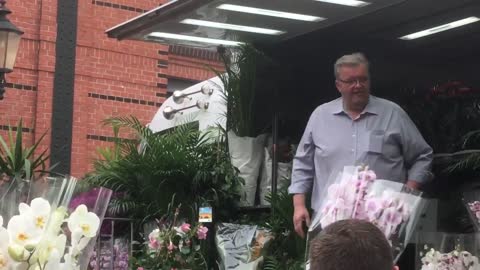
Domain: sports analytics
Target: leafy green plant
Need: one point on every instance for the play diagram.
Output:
(17, 160)
(441, 113)
(287, 251)
(18, 164)
(467, 159)
(239, 81)
(273, 263)
(155, 166)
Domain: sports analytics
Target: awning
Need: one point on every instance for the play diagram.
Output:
(208, 23)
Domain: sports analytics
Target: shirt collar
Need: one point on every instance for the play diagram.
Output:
(372, 106)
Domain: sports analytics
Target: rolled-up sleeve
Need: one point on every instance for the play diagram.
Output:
(303, 171)
(417, 153)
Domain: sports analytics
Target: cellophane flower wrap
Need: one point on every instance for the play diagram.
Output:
(111, 257)
(356, 193)
(44, 234)
(471, 201)
(443, 251)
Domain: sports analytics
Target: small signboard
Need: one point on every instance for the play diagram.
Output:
(205, 214)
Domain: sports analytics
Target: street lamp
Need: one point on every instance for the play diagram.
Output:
(9, 42)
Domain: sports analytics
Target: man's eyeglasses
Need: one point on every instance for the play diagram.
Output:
(352, 82)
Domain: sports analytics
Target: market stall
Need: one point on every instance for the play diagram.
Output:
(423, 56)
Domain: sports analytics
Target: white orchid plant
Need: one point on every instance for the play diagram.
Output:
(457, 259)
(42, 237)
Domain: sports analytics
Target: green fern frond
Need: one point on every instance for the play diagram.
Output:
(271, 263)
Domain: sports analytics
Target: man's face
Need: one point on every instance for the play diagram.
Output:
(353, 83)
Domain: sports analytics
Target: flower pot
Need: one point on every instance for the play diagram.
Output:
(247, 155)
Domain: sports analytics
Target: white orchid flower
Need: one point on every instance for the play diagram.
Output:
(53, 262)
(22, 232)
(38, 211)
(69, 263)
(83, 225)
(86, 221)
(5, 260)
(49, 246)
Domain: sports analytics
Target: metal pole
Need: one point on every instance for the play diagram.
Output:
(112, 245)
(98, 252)
(274, 148)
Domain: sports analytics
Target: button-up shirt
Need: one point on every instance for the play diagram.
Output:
(382, 137)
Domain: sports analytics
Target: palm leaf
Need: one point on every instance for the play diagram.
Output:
(470, 136)
(470, 161)
(180, 160)
(239, 82)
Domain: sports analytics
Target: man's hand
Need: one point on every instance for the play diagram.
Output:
(300, 214)
(413, 185)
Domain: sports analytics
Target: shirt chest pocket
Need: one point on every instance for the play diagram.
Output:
(375, 141)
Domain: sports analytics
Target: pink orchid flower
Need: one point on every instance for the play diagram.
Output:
(202, 232)
(153, 243)
(367, 175)
(185, 227)
(171, 247)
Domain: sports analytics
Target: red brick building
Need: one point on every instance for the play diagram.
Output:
(108, 77)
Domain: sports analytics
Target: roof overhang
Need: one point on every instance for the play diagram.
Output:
(169, 19)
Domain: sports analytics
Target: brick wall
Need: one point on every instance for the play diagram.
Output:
(112, 78)
(30, 85)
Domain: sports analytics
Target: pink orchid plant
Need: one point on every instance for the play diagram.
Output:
(174, 246)
(357, 193)
(346, 199)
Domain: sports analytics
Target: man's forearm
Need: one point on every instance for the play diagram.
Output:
(298, 200)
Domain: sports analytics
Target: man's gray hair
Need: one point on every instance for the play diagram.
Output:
(353, 59)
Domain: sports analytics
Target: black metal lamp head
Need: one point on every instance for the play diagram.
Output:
(10, 37)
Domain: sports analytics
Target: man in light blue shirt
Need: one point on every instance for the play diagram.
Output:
(356, 129)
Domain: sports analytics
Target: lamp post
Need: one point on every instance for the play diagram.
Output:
(9, 41)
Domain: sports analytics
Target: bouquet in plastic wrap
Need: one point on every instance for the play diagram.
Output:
(173, 245)
(442, 251)
(356, 193)
(471, 200)
(44, 233)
